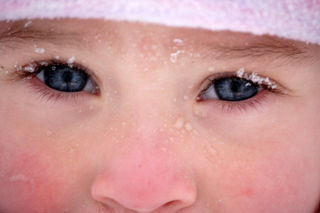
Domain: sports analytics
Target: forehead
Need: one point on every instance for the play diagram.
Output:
(90, 33)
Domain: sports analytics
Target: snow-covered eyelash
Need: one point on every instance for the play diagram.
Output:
(257, 79)
(263, 82)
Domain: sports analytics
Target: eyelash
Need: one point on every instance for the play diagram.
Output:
(242, 106)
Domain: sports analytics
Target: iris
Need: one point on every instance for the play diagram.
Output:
(234, 88)
(65, 78)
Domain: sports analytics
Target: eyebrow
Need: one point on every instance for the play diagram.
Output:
(18, 34)
(266, 46)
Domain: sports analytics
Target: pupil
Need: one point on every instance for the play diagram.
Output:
(235, 87)
(67, 77)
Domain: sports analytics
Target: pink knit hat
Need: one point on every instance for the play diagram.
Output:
(293, 19)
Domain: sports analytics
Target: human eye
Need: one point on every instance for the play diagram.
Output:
(66, 78)
(230, 89)
(58, 79)
(238, 89)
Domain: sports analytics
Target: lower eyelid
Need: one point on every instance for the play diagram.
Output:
(46, 94)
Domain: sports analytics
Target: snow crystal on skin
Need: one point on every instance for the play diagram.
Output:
(30, 68)
(44, 63)
(27, 24)
(20, 178)
(71, 60)
(179, 123)
(178, 41)
(200, 113)
(174, 56)
(188, 126)
(17, 67)
(211, 69)
(240, 72)
(39, 50)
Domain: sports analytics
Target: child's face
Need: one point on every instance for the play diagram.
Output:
(154, 136)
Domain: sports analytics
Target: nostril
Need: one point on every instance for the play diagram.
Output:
(171, 203)
(172, 206)
(109, 205)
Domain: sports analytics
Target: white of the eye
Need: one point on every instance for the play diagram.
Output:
(210, 93)
(89, 87)
(40, 75)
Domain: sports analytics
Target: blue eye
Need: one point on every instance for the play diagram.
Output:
(66, 78)
(230, 89)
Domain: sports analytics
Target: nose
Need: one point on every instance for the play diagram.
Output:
(144, 180)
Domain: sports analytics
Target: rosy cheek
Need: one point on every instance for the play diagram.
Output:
(255, 185)
(28, 182)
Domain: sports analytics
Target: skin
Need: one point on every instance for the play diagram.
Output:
(144, 143)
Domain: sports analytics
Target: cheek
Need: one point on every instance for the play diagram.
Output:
(29, 180)
(269, 182)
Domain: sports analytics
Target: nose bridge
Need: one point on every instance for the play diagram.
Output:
(147, 116)
(144, 152)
